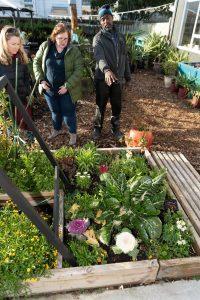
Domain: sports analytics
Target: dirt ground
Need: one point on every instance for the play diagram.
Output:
(175, 125)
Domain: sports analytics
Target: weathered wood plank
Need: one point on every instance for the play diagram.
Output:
(117, 149)
(179, 268)
(182, 199)
(190, 167)
(61, 226)
(184, 178)
(33, 198)
(177, 178)
(196, 243)
(71, 279)
(185, 166)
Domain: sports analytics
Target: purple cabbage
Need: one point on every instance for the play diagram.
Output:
(78, 226)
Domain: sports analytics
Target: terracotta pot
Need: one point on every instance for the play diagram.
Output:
(174, 88)
(182, 93)
(195, 102)
(137, 138)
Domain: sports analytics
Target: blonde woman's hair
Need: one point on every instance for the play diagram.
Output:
(6, 33)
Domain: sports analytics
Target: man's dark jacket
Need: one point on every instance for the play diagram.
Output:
(110, 56)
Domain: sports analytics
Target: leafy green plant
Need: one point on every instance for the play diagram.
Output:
(135, 203)
(64, 152)
(135, 52)
(87, 158)
(172, 58)
(196, 91)
(83, 180)
(29, 171)
(176, 238)
(156, 47)
(169, 67)
(6, 117)
(81, 206)
(184, 81)
(24, 252)
(135, 165)
(87, 255)
(175, 55)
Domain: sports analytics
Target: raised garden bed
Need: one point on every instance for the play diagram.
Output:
(137, 272)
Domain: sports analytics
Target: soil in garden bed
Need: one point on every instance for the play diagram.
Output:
(176, 125)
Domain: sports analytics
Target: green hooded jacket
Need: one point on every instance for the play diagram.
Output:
(73, 68)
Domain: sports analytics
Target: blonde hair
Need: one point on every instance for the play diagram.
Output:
(60, 28)
(6, 33)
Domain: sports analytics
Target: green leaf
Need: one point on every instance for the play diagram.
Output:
(105, 233)
(105, 177)
(106, 215)
(142, 232)
(134, 253)
(116, 250)
(133, 183)
(150, 209)
(150, 228)
(122, 182)
(126, 230)
(114, 202)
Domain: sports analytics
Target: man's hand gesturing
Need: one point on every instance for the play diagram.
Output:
(110, 77)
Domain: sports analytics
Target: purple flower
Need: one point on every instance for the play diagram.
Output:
(78, 226)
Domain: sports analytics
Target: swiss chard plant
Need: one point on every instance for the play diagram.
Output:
(135, 203)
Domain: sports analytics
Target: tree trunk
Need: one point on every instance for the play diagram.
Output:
(74, 21)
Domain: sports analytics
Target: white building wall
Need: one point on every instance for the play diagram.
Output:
(42, 8)
(178, 27)
(12, 3)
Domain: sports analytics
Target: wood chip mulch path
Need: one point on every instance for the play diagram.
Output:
(175, 124)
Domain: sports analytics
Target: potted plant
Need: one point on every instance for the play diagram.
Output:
(170, 65)
(169, 68)
(185, 84)
(156, 48)
(134, 51)
(195, 102)
(139, 138)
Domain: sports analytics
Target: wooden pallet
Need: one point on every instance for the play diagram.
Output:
(185, 182)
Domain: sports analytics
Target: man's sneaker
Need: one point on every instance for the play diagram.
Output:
(54, 134)
(96, 133)
(117, 134)
(72, 140)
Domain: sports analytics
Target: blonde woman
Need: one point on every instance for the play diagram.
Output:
(11, 47)
(58, 67)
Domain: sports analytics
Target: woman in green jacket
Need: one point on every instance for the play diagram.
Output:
(58, 67)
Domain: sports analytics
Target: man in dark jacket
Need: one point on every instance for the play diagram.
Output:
(112, 68)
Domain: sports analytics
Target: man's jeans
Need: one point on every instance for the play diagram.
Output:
(103, 93)
(62, 110)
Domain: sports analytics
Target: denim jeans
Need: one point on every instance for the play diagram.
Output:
(62, 110)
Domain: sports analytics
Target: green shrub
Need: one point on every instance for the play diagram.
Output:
(24, 252)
